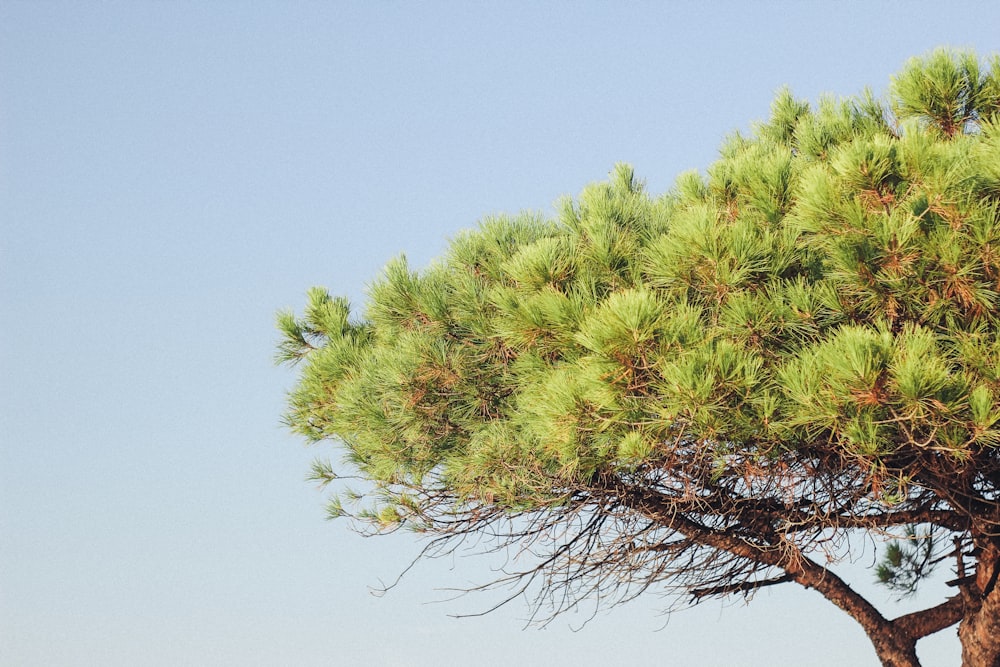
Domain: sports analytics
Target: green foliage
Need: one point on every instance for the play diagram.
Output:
(948, 90)
(825, 296)
(907, 562)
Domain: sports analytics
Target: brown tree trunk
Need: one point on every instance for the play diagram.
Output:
(979, 630)
(893, 655)
(980, 636)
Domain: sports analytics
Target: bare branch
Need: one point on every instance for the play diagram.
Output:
(745, 587)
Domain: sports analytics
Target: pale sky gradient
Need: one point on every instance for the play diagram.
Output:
(173, 173)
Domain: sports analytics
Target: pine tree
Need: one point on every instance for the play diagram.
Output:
(709, 391)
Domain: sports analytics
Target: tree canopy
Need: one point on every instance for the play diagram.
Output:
(711, 390)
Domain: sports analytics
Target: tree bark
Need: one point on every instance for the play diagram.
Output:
(979, 630)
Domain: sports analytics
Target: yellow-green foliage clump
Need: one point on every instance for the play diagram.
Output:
(832, 282)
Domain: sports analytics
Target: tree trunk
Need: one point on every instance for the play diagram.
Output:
(979, 630)
(980, 636)
(894, 653)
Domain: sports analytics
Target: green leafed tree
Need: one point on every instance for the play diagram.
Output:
(711, 391)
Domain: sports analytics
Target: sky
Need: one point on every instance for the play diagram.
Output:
(174, 173)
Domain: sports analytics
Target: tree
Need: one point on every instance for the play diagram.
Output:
(710, 391)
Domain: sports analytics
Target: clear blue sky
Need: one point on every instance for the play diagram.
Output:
(173, 173)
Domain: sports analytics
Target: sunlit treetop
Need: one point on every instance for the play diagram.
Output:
(709, 389)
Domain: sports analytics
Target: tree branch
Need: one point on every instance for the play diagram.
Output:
(928, 621)
(741, 587)
(895, 649)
